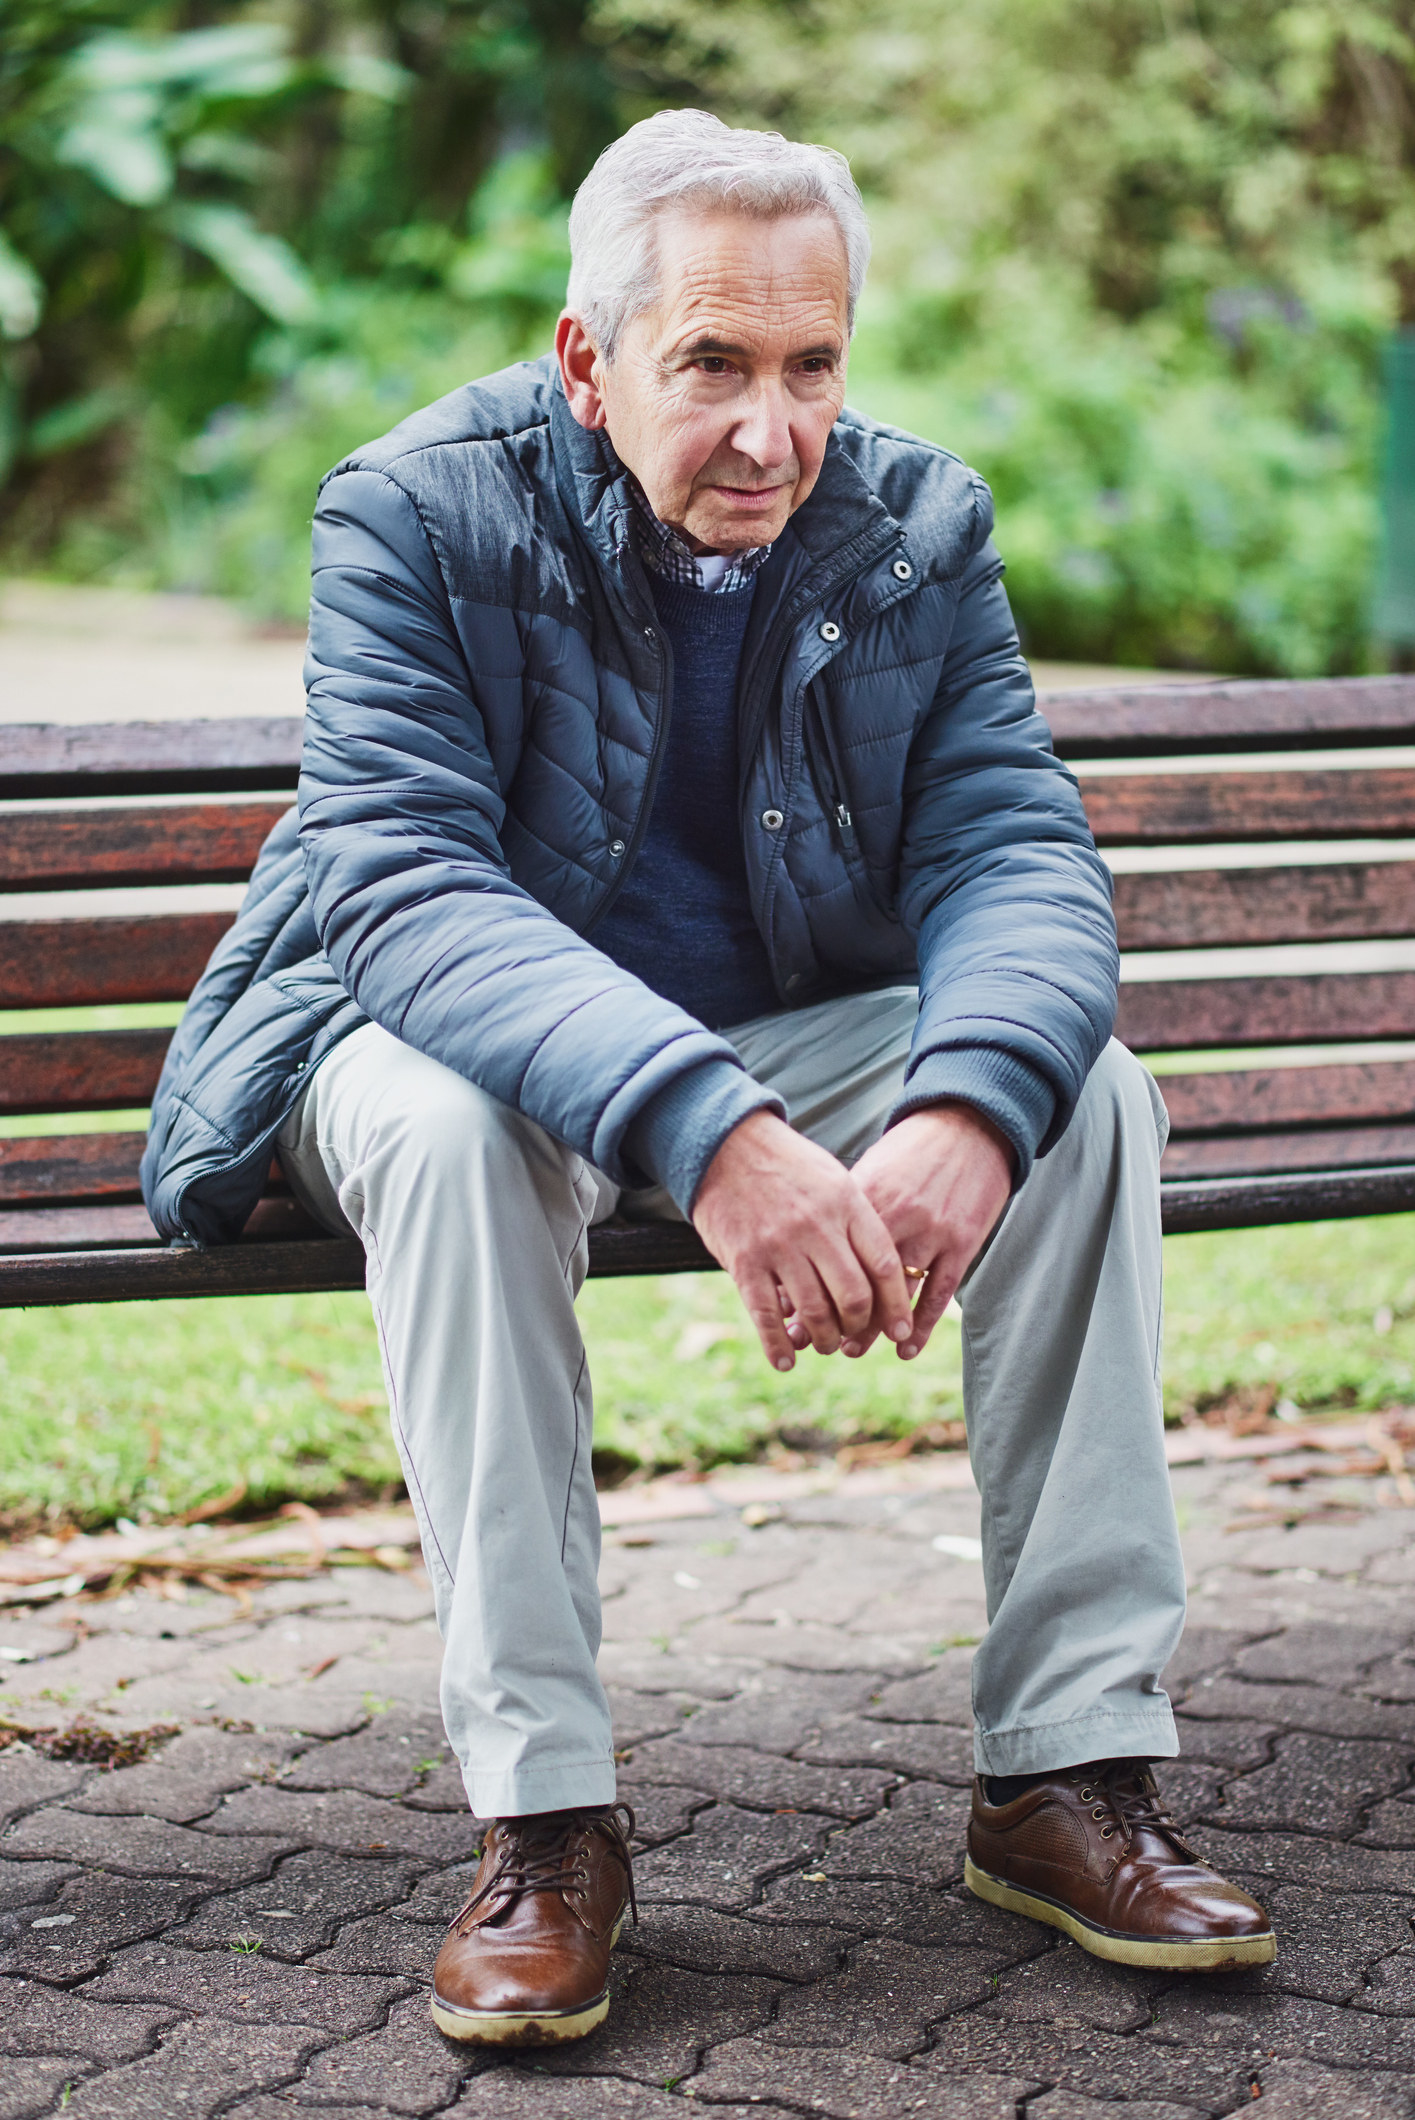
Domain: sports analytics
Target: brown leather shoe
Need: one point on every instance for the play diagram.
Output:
(526, 1960)
(1093, 1851)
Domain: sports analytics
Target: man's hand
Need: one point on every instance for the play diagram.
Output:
(939, 1181)
(812, 1259)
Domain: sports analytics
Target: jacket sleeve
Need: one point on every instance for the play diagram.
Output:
(413, 899)
(1002, 884)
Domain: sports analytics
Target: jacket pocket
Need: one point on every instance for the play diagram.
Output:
(823, 763)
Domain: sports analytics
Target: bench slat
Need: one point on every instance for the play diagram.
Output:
(1195, 809)
(80, 1071)
(149, 757)
(69, 963)
(1168, 1016)
(1180, 909)
(1346, 1090)
(118, 1275)
(1135, 720)
(67, 1169)
(1323, 1148)
(201, 842)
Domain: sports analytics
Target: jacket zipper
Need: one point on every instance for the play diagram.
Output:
(656, 756)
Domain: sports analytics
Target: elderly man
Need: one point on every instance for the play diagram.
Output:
(677, 834)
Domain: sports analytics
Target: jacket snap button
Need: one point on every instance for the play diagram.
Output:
(830, 631)
(616, 847)
(773, 820)
(901, 570)
(649, 633)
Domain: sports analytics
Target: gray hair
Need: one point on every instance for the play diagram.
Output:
(689, 159)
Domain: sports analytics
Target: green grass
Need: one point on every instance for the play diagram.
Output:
(121, 1408)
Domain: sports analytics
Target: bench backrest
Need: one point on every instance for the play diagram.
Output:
(1225, 807)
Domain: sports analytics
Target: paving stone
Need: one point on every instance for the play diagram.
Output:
(277, 2105)
(382, 1943)
(728, 1856)
(1316, 1784)
(346, 1822)
(660, 2018)
(302, 1905)
(1253, 2016)
(662, 1814)
(919, 1838)
(189, 1779)
(1311, 1708)
(73, 1935)
(1266, 1859)
(1225, 1743)
(405, 2067)
(778, 1711)
(41, 2020)
(1191, 1789)
(850, 2086)
(1317, 1653)
(147, 1847)
(645, 1668)
(384, 1760)
(1067, 1988)
(1328, 1942)
(885, 1999)
(705, 1941)
(439, 1896)
(1390, 1825)
(196, 2071)
(884, 1906)
(802, 1646)
(32, 2086)
(1074, 2105)
(935, 1750)
(1295, 2090)
(1101, 2065)
(521, 2092)
(1391, 1980)
(943, 1693)
(27, 1779)
(1391, 1679)
(638, 1716)
(1202, 1651)
(759, 1780)
(27, 1884)
(244, 1986)
(441, 1790)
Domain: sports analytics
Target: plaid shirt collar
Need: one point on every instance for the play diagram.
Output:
(664, 553)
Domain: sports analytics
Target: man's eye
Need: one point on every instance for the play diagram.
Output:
(817, 365)
(712, 364)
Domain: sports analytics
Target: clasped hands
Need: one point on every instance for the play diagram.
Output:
(832, 1258)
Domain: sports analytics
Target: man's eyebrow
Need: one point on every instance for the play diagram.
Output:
(725, 348)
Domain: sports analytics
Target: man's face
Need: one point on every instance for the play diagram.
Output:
(721, 398)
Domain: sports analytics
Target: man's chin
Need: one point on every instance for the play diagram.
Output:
(729, 529)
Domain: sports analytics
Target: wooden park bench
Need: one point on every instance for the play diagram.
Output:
(1223, 805)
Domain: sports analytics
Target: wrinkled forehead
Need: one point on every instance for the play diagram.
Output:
(748, 278)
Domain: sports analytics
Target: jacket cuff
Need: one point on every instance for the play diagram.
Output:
(1016, 1096)
(679, 1131)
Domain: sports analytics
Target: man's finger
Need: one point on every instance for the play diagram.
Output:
(763, 1301)
(812, 1305)
(937, 1293)
(874, 1247)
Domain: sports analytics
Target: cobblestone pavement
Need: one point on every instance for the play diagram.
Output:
(245, 1922)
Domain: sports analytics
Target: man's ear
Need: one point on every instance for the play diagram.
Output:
(580, 367)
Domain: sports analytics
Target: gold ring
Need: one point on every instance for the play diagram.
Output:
(916, 1273)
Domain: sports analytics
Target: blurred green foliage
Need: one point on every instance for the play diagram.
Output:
(1136, 259)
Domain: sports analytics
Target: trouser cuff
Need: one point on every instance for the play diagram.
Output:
(529, 1789)
(1141, 1734)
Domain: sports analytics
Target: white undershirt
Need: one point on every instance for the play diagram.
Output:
(712, 566)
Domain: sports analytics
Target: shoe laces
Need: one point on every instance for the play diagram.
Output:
(540, 1857)
(1125, 1795)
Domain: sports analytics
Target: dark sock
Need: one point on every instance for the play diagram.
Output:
(1006, 1788)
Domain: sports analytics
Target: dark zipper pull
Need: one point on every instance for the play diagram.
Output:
(846, 824)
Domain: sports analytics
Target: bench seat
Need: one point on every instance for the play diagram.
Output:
(1268, 827)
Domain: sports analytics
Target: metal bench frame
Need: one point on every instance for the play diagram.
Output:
(190, 802)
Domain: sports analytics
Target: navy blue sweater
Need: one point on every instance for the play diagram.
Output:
(683, 921)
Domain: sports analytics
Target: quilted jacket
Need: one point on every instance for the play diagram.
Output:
(489, 695)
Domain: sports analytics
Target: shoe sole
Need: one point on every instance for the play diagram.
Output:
(522, 2027)
(1180, 1956)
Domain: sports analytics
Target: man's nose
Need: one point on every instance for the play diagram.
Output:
(764, 430)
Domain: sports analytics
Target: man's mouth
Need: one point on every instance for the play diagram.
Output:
(754, 497)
